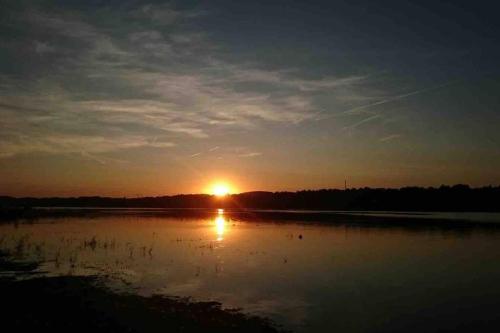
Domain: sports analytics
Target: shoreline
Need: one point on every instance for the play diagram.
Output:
(80, 304)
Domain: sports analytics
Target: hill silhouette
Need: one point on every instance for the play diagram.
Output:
(445, 198)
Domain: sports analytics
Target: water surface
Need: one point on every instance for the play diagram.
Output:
(306, 276)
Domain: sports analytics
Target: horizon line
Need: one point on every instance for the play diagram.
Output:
(252, 191)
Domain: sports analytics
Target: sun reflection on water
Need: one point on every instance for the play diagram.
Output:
(220, 224)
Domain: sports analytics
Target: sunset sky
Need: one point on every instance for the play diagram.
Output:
(129, 98)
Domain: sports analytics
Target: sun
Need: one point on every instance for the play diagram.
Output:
(220, 190)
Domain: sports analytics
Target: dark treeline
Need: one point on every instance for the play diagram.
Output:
(444, 198)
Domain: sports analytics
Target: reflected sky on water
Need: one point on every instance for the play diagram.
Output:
(305, 276)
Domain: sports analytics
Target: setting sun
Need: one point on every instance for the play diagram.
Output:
(220, 190)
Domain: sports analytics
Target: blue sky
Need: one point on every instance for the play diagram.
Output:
(133, 97)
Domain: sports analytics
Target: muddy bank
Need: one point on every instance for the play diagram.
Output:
(71, 303)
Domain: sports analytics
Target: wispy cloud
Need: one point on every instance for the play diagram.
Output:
(43, 48)
(390, 137)
(101, 159)
(116, 87)
(252, 154)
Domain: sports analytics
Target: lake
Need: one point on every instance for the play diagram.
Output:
(319, 274)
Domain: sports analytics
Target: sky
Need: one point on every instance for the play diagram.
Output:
(136, 98)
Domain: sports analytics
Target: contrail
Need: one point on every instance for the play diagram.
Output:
(389, 100)
(362, 122)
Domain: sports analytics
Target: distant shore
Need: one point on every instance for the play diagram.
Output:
(457, 198)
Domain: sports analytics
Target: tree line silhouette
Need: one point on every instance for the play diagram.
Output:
(445, 198)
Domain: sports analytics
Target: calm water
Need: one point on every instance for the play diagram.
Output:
(305, 276)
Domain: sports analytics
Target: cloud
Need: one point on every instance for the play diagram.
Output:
(164, 14)
(58, 143)
(252, 154)
(121, 84)
(390, 137)
(149, 36)
(100, 159)
(286, 78)
(43, 48)
(152, 43)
